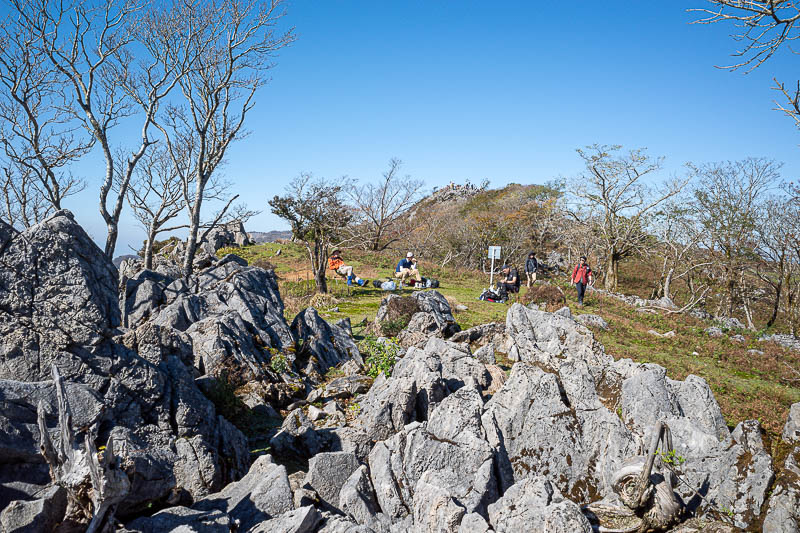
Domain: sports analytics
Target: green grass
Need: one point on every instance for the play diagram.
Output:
(745, 386)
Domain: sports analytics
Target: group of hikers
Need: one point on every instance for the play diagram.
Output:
(408, 272)
(582, 276)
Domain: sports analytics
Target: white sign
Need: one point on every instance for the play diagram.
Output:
(494, 252)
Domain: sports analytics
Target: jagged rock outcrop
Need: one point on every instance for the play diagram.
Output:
(322, 345)
(60, 305)
(224, 235)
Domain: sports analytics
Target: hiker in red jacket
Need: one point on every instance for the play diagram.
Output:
(582, 277)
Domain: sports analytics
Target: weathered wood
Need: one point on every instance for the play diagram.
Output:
(94, 482)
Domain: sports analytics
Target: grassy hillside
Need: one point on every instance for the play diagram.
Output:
(746, 385)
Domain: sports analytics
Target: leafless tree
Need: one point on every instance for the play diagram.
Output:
(88, 42)
(763, 27)
(777, 230)
(677, 227)
(232, 43)
(156, 196)
(380, 205)
(37, 134)
(22, 205)
(618, 201)
(730, 196)
(318, 217)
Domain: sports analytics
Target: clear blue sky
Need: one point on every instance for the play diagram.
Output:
(504, 91)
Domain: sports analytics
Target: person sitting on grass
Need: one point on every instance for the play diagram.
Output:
(336, 263)
(511, 281)
(407, 268)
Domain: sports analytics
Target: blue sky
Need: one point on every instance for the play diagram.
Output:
(503, 91)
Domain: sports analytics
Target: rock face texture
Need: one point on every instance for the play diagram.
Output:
(60, 305)
(449, 441)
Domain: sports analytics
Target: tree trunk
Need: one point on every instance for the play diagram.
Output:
(318, 265)
(776, 306)
(667, 283)
(612, 266)
(191, 243)
(148, 248)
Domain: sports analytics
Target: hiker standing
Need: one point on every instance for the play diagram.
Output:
(531, 265)
(406, 268)
(336, 263)
(582, 277)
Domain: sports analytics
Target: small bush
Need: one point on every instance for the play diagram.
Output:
(391, 328)
(545, 294)
(262, 262)
(279, 364)
(380, 356)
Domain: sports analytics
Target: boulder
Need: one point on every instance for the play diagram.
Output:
(481, 335)
(485, 354)
(225, 235)
(592, 321)
(324, 346)
(449, 455)
(548, 339)
(167, 433)
(791, 431)
(783, 512)
(42, 514)
(328, 472)
(357, 497)
(714, 332)
(262, 494)
(302, 520)
(182, 519)
(534, 505)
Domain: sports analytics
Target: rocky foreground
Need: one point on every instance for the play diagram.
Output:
(449, 442)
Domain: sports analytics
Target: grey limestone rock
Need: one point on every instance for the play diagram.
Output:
(482, 334)
(592, 321)
(548, 339)
(41, 514)
(791, 431)
(787, 341)
(474, 523)
(783, 512)
(181, 519)
(225, 235)
(324, 346)
(450, 450)
(485, 354)
(263, 493)
(564, 311)
(357, 497)
(535, 505)
(328, 472)
(302, 520)
(714, 331)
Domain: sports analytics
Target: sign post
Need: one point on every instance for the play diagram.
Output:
(494, 253)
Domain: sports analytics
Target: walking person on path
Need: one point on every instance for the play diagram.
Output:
(582, 277)
(531, 265)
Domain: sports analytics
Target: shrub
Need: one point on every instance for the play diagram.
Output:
(545, 294)
(380, 356)
(262, 262)
(391, 328)
(279, 364)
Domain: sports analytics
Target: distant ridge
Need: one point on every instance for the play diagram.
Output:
(269, 236)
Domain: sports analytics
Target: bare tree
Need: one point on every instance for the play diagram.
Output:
(318, 217)
(22, 205)
(763, 27)
(676, 225)
(613, 189)
(380, 205)
(88, 42)
(232, 44)
(730, 196)
(777, 230)
(156, 196)
(36, 132)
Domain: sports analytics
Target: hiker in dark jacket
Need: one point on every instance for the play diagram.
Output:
(531, 265)
(582, 277)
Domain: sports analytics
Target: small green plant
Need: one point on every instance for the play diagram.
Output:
(391, 328)
(354, 407)
(671, 458)
(380, 356)
(279, 364)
